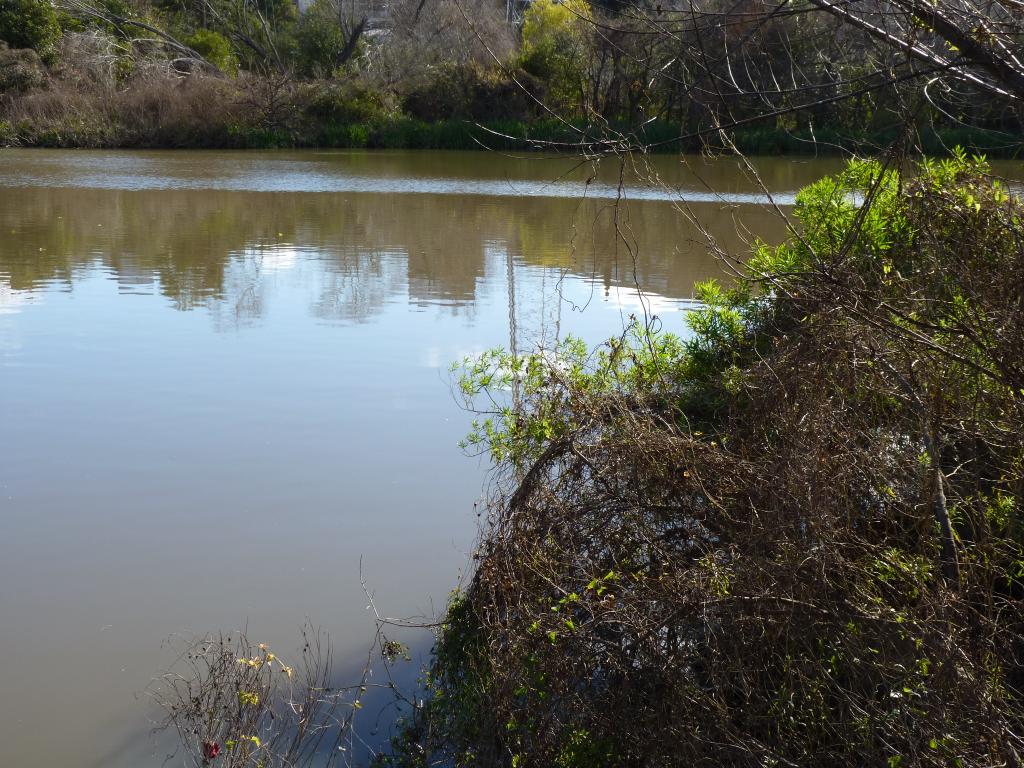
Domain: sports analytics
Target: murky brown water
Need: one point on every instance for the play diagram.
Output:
(223, 381)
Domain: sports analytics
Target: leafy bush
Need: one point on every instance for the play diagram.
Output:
(555, 47)
(8, 135)
(215, 48)
(322, 40)
(791, 536)
(30, 24)
(343, 104)
(470, 91)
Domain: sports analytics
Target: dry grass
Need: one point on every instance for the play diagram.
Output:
(151, 110)
(101, 96)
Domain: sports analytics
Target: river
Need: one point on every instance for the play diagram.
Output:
(225, 391)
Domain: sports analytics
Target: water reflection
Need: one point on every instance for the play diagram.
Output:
(218, 249)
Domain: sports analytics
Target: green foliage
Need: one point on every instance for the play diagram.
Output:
(834, 218)
(582, 750)
(345, 104)
(470, 91)
(321, 39)
(547, 24)
(552, 382)
(278, 11)
(457, 690)
(70, 21)
(30, 24)
(555, 47)
(247, 136)
(215, 48)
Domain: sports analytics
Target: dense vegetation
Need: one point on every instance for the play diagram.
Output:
(355, 73)
(791, 535)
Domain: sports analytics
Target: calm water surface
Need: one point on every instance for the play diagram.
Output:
(224, 381)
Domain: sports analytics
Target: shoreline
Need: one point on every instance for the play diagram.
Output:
(551, 137)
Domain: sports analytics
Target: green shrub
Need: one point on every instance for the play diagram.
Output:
(30, 24)
(8, 135)
(471, 92)
(343, 104)
(321, 40)
(554, 48)
(243, 136)
(215, 48)
(88, 131)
